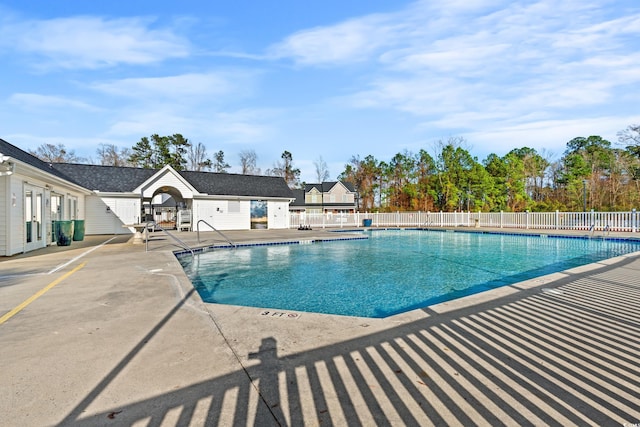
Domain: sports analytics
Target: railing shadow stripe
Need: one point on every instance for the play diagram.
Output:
(557, 352)
(477, 390)
(497, 392)
(401, 379)
(440, 378)
(388, 394)
(535, 359)
(561, 392)
(359, 371)
(292, 395)
(591, 351)
(534, 397)
(596, 317)
(580, 328)
(318, 396)
(340, 389)
(428, 384)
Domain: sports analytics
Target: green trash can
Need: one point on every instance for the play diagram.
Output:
(78, 230)
(65, 233)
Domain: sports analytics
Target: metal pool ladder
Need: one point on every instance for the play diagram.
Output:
(158, 227)
(214, 229)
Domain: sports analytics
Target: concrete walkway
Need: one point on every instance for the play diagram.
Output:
(120, 338)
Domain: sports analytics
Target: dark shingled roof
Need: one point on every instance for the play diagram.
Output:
(227, 184)
(18, 154)
(326, 186)
(299, 195)
(105, 178)
(125, 179)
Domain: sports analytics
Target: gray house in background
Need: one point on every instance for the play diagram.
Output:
(335, 197)
(34, 193)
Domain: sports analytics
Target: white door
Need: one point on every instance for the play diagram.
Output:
(35, 228)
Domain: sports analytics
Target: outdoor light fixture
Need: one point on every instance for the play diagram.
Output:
(7, 167)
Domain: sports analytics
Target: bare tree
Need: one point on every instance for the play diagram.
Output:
(248, 159)
(631, 138)
(111, 155)
(322, 170)
(197, 158)
(55, 154)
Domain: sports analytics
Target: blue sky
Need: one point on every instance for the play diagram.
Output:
(319, 78)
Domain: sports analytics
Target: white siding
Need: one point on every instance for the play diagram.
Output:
(278, 213)
(121, 211)
(168, 179)
(16, 232)
(216, 213)
(4, 214)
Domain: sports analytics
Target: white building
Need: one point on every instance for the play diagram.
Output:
(34, 193)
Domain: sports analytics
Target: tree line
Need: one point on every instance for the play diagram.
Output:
(156, 151)
(592, 173)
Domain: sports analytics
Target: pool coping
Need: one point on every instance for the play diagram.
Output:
(446, 303)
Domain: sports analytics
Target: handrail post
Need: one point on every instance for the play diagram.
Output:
(214, 229)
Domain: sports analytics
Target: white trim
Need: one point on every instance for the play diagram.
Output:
(155, 178)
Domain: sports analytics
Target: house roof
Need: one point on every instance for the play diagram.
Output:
(326, 186)
(299, 198)
(12, 151)
(105, 178)
(228, 184)
(126, 179)
(114, 179)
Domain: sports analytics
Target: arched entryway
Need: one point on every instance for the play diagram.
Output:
(164, 205)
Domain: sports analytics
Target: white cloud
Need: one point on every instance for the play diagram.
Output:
(34, 100)
(516, 60)
(241, 126)
(545, 134)
(350, 41)
(91, 42)
(181, 88)
(29, 141)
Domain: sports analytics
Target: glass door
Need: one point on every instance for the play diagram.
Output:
(33, 217)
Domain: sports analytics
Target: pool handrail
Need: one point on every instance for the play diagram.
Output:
(156, 226)
(214, 229)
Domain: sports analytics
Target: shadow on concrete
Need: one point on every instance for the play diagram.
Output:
(563, 353)
(88, 242)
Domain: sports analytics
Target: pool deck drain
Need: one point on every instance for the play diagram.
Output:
(126, 341)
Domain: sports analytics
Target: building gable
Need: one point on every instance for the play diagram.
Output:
(162, 180)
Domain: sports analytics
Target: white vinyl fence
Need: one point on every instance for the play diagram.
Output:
(588, 221)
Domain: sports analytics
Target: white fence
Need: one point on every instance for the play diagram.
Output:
(588, 221)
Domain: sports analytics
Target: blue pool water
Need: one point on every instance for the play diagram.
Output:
(392, 271)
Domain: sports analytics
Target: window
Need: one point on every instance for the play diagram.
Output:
(56, 207)
(233, 206)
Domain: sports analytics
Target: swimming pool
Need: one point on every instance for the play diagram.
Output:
(391, 272)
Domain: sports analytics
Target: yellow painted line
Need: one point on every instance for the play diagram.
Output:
(38, 294)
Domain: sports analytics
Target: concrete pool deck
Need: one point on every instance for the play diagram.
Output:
(120, 338)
